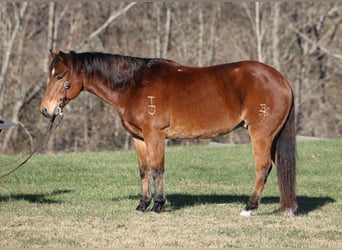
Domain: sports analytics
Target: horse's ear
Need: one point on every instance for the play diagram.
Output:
(52, 53)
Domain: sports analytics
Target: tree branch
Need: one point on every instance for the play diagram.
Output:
(112, 17)
(315, 44)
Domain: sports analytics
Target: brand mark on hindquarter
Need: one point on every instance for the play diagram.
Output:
(263, 111)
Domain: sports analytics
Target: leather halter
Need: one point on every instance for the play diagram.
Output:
(66, 86)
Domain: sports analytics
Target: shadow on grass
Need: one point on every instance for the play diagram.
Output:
(178, 201)
(305, 204)
(35, 198)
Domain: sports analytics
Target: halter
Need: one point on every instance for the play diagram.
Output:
(66, 86)
(60, 106)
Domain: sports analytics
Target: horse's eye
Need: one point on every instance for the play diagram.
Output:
(59, 78)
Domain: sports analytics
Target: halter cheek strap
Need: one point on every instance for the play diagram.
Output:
(66, 86)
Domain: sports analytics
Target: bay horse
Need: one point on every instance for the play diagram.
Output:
(158, 99)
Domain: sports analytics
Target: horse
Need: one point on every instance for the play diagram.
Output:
(157, 99)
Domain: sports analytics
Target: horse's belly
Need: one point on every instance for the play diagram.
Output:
(204, 127)
(186, 134)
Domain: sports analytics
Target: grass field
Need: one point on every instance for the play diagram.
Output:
(89, 200)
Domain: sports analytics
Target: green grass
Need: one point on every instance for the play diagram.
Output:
(89, 200)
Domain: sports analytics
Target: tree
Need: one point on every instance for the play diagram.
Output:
(301, 40)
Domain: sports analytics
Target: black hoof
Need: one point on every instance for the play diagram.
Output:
(250, 209)
(143, 205)
(251, 206)
(158, 206)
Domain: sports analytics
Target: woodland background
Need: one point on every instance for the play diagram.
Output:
(301, 40)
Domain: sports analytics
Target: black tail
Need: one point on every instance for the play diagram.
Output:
(286, 163)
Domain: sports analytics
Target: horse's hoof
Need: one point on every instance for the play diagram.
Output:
(143, 205)
(158, 206)
(140, 208)
(247, 213)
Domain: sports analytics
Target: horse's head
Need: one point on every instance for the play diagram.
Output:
(64, 85)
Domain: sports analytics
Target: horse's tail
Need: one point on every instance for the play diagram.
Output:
(285, 159)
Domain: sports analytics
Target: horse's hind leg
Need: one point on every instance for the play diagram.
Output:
(145, 173)
(263, 165)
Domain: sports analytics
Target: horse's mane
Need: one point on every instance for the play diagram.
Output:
(115, 70)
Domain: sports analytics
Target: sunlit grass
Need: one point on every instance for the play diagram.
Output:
(89, 200)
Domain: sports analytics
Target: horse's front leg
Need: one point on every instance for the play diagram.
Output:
(155, 143)
(145, 174)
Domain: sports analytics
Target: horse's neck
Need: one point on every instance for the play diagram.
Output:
(105, 93)
(119, 80)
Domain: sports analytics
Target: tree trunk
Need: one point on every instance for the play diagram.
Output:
(258, 31)
(214, 33)
(200, 36)
(275, 36)
(9, 47)
(167, 32)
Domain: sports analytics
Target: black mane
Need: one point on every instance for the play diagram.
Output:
(115, 70)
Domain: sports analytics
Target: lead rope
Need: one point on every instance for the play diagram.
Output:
(50, 129)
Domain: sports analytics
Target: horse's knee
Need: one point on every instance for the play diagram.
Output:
(157, 172)
(144, 172)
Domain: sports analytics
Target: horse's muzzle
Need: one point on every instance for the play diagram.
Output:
(57, 111)
(45, 112)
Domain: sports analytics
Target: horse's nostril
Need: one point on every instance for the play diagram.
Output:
(44, 112)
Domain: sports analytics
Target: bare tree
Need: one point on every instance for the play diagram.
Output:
(275, 36)
(100, 29)
(200, 35)
(258, 31)
(302, 40)
(214, 33)
(18, 14)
